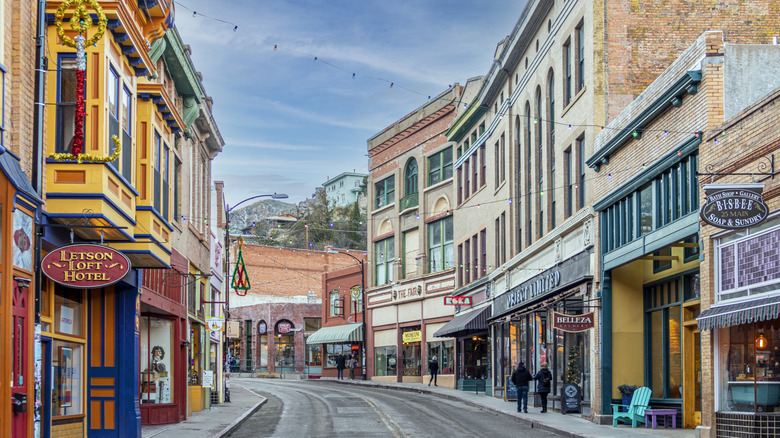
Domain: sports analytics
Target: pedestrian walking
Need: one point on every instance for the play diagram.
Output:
(543, 382)
(341, 361)
(351, 364)
(520, 378)
(433, 367)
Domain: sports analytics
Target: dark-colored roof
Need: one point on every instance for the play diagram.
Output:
(18, 178)
(465, 323)
(760, 309)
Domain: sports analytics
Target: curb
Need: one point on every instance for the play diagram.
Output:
(532, 423)
(234, 425)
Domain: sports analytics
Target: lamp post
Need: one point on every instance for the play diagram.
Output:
(228, 209)
(362, 299)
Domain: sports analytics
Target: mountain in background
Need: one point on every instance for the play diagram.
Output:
(245, 217)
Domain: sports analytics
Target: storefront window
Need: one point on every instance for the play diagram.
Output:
(384, 361)
(749, 367)
(664, 338)
(412, 356)
(195, 355)
(475, 358)
(263, 352)
(313, 351)
(68, 379)
(445, 354)
(284, 350)
(68, 311)
(335, 350)
(156, 360)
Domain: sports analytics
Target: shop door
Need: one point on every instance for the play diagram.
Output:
(20, 348)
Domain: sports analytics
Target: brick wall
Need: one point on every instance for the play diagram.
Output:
(643, 37)
(19, 59)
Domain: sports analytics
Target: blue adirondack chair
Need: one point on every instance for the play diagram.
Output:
(636, 410)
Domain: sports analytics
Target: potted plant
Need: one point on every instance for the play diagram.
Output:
(626, 391)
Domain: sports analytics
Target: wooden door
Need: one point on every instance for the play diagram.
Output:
(21, 354)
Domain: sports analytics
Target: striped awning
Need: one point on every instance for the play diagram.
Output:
(338, 333)
(746, 312)
(465, 323)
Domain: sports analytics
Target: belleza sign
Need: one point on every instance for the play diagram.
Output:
(85, 266)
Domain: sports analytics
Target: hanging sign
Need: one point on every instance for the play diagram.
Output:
(215, 324)
(572, 323)
(85, 266)
(233, 329)
(734, 206)
(457, 300)
(262, 328)
(413, 336)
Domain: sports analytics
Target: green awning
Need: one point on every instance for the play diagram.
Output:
(338, 333)
(746, 312)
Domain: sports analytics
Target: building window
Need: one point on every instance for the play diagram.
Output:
(385, 359)
(567, 72)
(483, 161)
(467, 262)
(385, 192)
(313, 351)
(466, 178)
(112, 95)
(502, 157)
(176, 189)
(67, 397)
(2, 105)
(746, 261)
(528, 173)
(582, 166)
(663, 339)
(540, 154)
(660, 264)
(66, 103)
(474, 174)
(483, 252)
(569, 182)
(440, 246)
(475, 258)
(440, 166)
(444, 352)
(460, 185)
(356, 303)
(580, 34)
(158, 371)
(158, 152)
(410, 178)
(334, 303)
(551, 140)
(503, 237)
(460, 265)
(384, 256)
(127, 131)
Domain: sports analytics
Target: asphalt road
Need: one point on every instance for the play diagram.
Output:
(310, 408)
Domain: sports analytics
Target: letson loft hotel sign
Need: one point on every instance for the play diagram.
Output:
(733, 206)
(85, 266)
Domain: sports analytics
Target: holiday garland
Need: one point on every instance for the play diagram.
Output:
(80, 22)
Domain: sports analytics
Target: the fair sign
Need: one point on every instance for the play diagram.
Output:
(734, 206)
(573, 323)
(85, 266)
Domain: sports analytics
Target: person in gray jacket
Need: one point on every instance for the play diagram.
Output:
(543, 381)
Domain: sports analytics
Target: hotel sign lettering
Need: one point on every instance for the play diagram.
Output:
(85, 266)
(734, 206)
(573, 323)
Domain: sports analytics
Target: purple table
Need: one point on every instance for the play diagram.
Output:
(663, 412)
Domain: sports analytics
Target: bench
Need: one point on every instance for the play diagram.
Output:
(654, 413)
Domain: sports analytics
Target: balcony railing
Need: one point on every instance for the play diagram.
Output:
(409, 201)
(165, 282)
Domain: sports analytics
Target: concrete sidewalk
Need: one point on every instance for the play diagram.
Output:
(216, 422)
(571, 425)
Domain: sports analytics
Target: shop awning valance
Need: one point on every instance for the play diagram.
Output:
(746, 312)
(465, 323)
(338, 333)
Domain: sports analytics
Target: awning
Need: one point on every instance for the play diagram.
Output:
(338, 333)
(761, 309)
(465, 323)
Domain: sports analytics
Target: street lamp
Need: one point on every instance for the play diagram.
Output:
(363, 300)
(228, 209)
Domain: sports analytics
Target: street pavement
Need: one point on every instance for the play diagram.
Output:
(223, 418)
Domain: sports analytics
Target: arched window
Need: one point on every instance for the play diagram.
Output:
(551, 140)
(539, 160)
(410, 177)
(528, 185)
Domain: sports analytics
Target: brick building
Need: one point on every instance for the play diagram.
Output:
(647, 203)
(740, 331)
(281, 308)
(411, 251)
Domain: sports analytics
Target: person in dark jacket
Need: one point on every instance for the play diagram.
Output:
(433, 367)
(543, 381)
(520, 378)
(341, 362)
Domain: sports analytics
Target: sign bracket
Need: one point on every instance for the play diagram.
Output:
(761, 167)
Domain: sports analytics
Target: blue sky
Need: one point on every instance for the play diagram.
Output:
(290, 122)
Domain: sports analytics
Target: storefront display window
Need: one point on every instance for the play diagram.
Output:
(157, 371)
(384, 360)
(68, 311)
(262, 351)
(284, 350)
(313, 351)
(749, 367)
(195, 365)
(68, 379)
(335, 350)
(475, 358)
(664, 338)
(412, 355)
(445, 354)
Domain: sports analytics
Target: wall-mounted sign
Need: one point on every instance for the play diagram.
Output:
(215, 323)
(733, 206)
(262, 328)
(413, 336)
(573, 323)
(283, 327)
(457, 300)
(207, 379)
(85, 266)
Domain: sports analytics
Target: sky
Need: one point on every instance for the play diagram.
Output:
(289, 121)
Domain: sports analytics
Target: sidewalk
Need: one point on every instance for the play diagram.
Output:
(571, 425)
(216, 422)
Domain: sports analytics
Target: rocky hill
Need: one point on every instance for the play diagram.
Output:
(245, 216)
